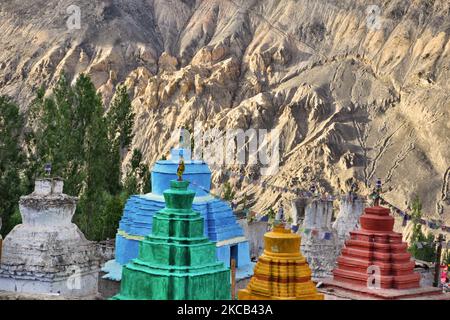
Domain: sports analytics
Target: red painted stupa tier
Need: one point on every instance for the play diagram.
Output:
(376, 244)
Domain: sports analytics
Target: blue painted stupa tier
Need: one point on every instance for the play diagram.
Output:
(220, 223)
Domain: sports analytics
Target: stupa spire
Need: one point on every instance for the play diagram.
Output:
(281, 272)
(181, 168)
(376, 194)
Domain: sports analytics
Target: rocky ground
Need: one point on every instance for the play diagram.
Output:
(354, 95)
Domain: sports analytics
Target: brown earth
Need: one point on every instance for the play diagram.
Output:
(350, 100)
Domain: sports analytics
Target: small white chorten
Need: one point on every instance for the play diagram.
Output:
(47, 254)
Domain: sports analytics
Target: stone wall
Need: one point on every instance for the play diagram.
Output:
(351, 208)
(105, 250)
(254, 232)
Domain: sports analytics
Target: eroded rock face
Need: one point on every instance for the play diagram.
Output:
(47, 253)
(352, 101)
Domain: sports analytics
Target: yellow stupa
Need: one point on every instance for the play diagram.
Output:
(281, 272)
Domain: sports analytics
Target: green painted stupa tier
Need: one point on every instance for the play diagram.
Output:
(176, 262)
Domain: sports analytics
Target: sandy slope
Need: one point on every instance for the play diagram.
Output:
(351, 101)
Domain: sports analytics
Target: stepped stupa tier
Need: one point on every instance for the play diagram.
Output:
(281, 272)
(47, 254)
(177, 261)
(376, 244)
(220, 224)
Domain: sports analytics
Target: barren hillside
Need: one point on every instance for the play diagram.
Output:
(355, 96)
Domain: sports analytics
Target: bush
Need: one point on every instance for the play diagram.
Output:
(13, 221)
(422, 247)
(105, 222)
(446, 259)
(228, 192)
(426, 251)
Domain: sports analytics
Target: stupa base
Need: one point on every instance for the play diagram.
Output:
(5, 295)
(408, 281)
(247, 295)
(175, 287)
(205, 282)
(80, 287)
(358, 292)
(113, 271)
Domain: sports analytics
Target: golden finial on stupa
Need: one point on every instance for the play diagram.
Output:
(181, 168)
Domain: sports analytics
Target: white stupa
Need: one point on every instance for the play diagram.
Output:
(47, 254)
(320, 244)
(351, 209)
(1, 240)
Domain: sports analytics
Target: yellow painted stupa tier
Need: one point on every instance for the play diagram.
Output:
(281, 272)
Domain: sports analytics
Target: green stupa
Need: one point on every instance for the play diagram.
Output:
(176, 262)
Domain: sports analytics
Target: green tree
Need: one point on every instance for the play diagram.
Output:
(93, 137)
(120, 119)
(138, 175)
(112, 214)
(71, 133)
(11, 160)
(13, 220)
(57, 135)
(106, 222)
(271, 215)
(228, 193)
(446, 259)
(422, 247)
(86, 148)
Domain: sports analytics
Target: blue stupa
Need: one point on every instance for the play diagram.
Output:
(221, 226)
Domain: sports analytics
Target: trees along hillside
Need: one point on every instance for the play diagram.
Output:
(86, 148)
(12, 161)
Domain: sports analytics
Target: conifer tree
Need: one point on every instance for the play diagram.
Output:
(71, 133)
(91, 128)
(120, 119)
(86, 148)
(422, 247)
(138, 175)
(55, 138)
(11, 160)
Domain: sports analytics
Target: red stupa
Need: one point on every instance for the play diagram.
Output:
(376, 244)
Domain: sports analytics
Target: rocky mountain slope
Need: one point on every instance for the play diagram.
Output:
(355, 95)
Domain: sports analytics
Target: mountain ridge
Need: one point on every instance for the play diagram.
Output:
(352, 100)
